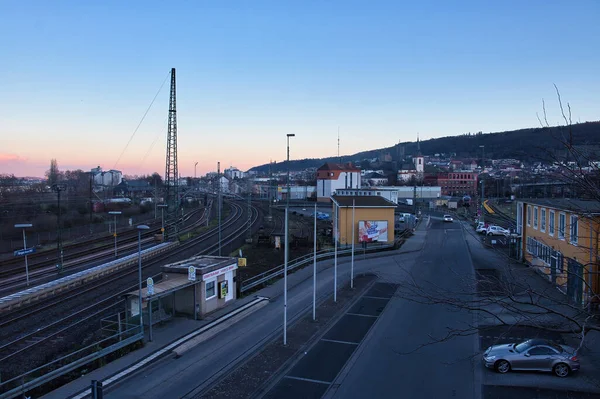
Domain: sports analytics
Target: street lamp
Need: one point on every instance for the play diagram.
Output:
(162, 215)
(140, 228)
(115, 213)
(196, 164)
(24, 226)
(286, 243)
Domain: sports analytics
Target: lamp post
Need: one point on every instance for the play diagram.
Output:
(24, 226)
(162, 215)
(286, 243)
(196, 164)
(288, 168)
(140, 228)
(115, 213)
(314, 310)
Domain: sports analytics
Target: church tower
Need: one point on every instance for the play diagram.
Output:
(419, 160)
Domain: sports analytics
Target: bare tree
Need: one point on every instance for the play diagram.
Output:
(53, 174)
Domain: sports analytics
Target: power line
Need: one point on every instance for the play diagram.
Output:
(158, 134)
(141, 121)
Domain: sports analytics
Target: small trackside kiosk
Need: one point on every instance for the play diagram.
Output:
(192, 287)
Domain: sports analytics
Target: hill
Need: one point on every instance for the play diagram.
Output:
(527, 145)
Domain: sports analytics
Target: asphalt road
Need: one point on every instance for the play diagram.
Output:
(393, 362)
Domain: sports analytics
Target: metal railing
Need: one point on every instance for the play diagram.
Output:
(308, 258)
(34, 378)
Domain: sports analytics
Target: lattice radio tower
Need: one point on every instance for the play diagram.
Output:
(171, 173)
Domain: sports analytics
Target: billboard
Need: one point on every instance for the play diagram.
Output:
(372, 230)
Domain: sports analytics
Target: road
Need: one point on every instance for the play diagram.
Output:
(393, 361)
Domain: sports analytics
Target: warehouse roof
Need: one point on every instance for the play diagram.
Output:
(374, 201)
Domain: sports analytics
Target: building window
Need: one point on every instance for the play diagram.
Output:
(535, 217)
(210, 289)
(574, 229)
(528, 215)
(562, 219)
(551, 223)
(543, 220)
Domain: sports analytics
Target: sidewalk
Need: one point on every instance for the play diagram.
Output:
(518, 276)
(180, 327)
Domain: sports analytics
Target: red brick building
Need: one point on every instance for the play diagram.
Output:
(458, 183)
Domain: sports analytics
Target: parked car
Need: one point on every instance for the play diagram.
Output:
(533, 354)
(481, 228)
(497, 231)
(448, 218)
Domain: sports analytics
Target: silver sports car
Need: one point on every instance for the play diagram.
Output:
(533, 354)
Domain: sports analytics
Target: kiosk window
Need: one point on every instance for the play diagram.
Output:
(210, 289)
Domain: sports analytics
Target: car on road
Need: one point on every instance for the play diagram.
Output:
(497, 231)
(534, 355)
(448, 218)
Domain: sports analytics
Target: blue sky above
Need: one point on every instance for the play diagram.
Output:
(78, 76)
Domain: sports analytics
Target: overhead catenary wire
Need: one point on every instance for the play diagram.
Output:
(158, 134)
(142, 120)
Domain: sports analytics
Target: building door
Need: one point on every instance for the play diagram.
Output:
(229, 279)
(575, 281)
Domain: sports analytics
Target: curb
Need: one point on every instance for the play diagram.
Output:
(109, 382)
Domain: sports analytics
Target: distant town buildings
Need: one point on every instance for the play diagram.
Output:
(332, 176)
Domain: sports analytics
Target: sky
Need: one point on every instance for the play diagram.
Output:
(78, 77)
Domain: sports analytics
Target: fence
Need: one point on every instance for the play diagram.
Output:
(19, 385)
(306, 259)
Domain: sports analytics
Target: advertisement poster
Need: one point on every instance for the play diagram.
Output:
(372, 231)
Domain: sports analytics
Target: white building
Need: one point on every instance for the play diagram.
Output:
(374, 179)
(393, 193)
(109, 178)
(233, 173)
(332, 177)
(224, 183)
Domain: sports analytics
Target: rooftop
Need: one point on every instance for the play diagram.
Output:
(566, 204)
(375, 201)
(336, 166)
(203, 264)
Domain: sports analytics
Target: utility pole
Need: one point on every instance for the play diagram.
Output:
(91, 206)
(288, 170)
(249, 222)
(270, 192)
(171, 180)
(219, 202)
(59, 248)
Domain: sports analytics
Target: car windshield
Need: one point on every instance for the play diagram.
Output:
(523, 346)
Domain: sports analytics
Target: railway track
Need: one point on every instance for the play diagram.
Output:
(25, 346)
(72, 252)
(498, 217)
(13, 278)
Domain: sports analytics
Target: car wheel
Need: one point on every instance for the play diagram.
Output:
(561, 370)
(502, 366)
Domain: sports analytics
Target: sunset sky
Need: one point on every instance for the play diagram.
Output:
(77, 77)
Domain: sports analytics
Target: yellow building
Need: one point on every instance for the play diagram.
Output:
(373, 219)
(560, 237)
